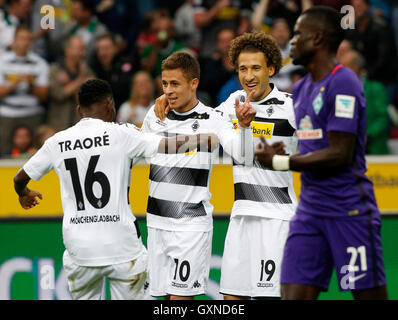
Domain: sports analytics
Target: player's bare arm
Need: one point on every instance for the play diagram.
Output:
(339, 153)
(27, 198)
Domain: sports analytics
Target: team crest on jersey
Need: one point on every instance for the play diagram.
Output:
(161, 123)
(318, 103)
(195, 126)
(270, 111)
(306, 131)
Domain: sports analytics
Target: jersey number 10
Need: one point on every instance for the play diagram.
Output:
(91, 177)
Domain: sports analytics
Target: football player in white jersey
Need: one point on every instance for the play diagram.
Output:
(265, 200)
(179, 214)
(93, 161)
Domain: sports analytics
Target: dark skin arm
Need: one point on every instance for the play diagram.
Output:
(339, 153)
(27, 198)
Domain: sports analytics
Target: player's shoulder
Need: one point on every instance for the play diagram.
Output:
(208, 112)
(344, 77)
(230, 101)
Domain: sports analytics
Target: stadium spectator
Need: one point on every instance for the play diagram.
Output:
(337, 222)
(165, 45)
(372, 37)
(186, 31)
(85, 25)
(121, 18)
(46, 43)
(266, 11)
(377, 119)
(113, 67)
(42, 133)
(335, 4)
(217, 69)
(66, 77)
(213, 15)
(15, 14)
(142, 96)
(281, 32)
(147, 35)
(228, 88)
(22, 142)
(23, 87)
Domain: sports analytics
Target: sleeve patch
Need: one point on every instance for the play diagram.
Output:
(345, 106)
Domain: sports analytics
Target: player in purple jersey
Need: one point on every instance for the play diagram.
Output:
(337, 222)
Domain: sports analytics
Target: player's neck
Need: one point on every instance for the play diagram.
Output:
(189, 106)
(321, 65)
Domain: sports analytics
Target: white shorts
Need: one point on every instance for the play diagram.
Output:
(178, 262)
(127, 281)
(252, 258)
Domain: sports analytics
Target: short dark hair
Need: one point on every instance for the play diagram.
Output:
(93, 91)
(88, 5)
(185, 61)
(329, 21)
(257, 41)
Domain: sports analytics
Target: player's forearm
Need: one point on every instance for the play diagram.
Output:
(240, 147)
(317, 160)
(21, 180)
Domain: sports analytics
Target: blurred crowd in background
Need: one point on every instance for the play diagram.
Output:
(125, 41)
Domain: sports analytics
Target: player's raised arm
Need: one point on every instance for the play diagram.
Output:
(27, 198)
(240, 147)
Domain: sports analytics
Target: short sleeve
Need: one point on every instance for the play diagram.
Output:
(40, 163)
(140, 144)
(345, 100)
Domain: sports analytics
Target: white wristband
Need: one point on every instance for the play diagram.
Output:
(280, 163)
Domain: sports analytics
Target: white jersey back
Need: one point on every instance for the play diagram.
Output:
(93, 161)
(260, 191)
(179, 184)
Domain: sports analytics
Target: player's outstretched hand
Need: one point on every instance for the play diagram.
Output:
(245, 112)
(265, 152)
(30, 200)
(162, 107)
(279, 148)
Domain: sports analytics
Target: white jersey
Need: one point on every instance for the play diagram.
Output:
(260, 191)
(179, 183)
(93, 161)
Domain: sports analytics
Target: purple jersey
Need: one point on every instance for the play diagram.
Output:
(335, 103)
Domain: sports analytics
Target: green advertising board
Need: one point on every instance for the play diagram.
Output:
(31, 260)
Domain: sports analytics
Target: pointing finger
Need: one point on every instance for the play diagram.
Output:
(237, 104)
(250, 96)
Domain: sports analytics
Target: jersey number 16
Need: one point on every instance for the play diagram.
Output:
(91, 177)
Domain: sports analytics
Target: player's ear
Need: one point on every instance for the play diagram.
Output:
(318, 38)
(195, 83)
(271, 71)
(79, 111)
